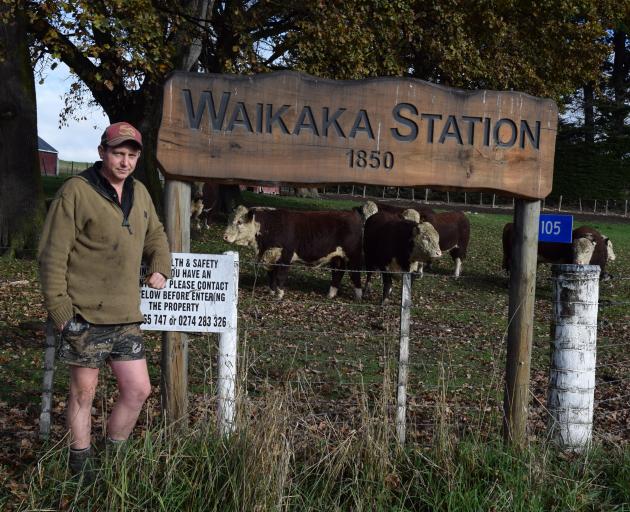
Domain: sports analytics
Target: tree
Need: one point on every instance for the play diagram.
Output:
(123, 51)
(21, 197)
(470, 44)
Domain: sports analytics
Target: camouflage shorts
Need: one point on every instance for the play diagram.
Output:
(90, 345)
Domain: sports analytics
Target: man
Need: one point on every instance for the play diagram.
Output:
(99, 227)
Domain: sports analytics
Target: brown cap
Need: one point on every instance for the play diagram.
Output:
(117, 133)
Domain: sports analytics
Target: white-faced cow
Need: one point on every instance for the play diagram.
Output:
(281, 237)
(589, 246)
(393, 244)
(452, 227)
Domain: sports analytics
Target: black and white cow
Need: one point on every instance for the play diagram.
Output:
(281, 237)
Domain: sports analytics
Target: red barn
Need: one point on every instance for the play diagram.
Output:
(48, 158)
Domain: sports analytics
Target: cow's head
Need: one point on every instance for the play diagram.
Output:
(583, 249)
(411, 214)
(426, 243)
(242, 227)
(610, 253)
(368, 209)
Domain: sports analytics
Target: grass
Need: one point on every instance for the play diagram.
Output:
(315, 427)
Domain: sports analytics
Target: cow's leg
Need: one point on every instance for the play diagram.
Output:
(337, 272)
(354, 269)
(458, 267)
(387, 286)
(282, 273)
(273, 277)
(369, 272)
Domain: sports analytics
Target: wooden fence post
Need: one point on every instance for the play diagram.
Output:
(174, 382)
(520, 320)
(426, 195)
(364, 187)
(494, 196)
(403, 360)
(49, 373)
(227, 360)
(572, 374)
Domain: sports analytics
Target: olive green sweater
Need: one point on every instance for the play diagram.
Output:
(90, 255)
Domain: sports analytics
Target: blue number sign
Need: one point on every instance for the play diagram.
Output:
(555, 228)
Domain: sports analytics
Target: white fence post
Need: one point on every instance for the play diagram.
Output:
(572, 373)
(403, 360)
(560, 203)
(226, 381)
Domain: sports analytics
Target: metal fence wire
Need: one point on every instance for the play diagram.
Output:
(339, 357)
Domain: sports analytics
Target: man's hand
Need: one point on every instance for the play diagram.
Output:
(156, 280)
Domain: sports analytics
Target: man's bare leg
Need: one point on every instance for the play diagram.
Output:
(83, 383)
(134, 388)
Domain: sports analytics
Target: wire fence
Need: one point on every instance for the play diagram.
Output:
(72, 168)
(559, 203)
(339, 358)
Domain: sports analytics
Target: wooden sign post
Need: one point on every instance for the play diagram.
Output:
(294, 129)
(174, 381)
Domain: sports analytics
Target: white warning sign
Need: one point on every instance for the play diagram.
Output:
(201, 295)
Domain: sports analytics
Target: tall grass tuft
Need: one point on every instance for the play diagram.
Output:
(281, 459)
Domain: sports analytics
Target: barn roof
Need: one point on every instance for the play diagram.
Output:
(42, 145)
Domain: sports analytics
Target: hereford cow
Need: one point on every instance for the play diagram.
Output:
(316, 238)
(588, 247)
(392, 244)
(204, 202)
(454, 230)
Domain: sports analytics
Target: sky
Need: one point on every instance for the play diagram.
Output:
(78, 141)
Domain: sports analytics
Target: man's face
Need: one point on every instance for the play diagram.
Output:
(118, 162)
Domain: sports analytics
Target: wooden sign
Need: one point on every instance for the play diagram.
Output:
(292, 128)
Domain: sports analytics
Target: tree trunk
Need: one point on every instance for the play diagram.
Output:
(21, 197)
